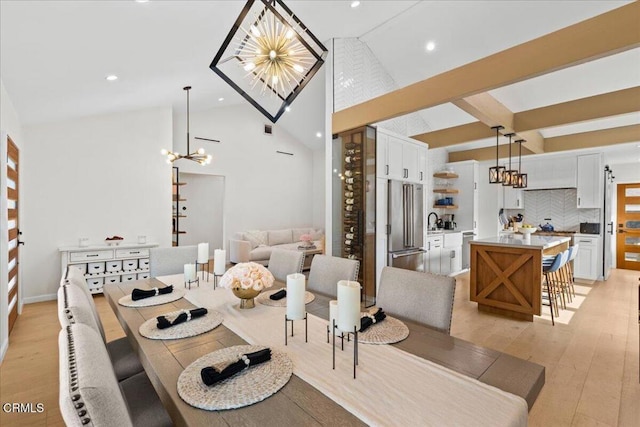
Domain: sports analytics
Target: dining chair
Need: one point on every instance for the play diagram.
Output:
(89, 392)
(166, 261)
(326, 271)
(283, 262)
(424, 298)
(74, 296)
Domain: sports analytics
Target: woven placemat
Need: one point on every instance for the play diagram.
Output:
(389, 331)
(188, 329)
(246, 388)
(148, 302)
(264, 299)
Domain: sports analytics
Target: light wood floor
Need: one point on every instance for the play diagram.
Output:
(591, 359)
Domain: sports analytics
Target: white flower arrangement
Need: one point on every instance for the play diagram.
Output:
(247, 275)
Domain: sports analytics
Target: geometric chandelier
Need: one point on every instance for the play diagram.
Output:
(269, 56)
(496, 173)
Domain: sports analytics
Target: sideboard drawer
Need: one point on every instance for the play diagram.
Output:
(95, 268)
(128, 277)
(90, 256)
(129, 264)
(132, 253)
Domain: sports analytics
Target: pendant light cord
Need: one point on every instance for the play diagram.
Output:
(187, 88)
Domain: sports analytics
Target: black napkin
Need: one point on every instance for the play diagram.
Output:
(142, 294)
(210, 375)
(369, 319)
(164, 323)
(278, 295)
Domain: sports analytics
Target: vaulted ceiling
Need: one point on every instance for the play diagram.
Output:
(54, 56)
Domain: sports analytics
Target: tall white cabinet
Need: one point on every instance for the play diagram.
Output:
(590, 181)
(103, 264)
(400, 158)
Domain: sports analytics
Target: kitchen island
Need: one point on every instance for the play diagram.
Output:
(506, 273)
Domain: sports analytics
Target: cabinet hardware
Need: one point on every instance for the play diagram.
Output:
(475, 185)
(386, 169)
(578, 201)
(91, 255)
(421, 178)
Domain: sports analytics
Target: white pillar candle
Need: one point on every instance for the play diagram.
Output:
(295, 296)
(189, 272)
(203, 253)
(333, 313)
(348, 305)
(219, 261)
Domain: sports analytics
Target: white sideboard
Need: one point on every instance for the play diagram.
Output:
(108, 264)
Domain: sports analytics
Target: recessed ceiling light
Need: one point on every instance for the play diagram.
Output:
(431, 46)
(287, 109)
(355, 4)
(319, 134)
(221, 99)
(142, 1)
(111, 77)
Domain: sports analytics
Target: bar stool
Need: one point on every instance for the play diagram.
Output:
(573, 252)
(550, 270)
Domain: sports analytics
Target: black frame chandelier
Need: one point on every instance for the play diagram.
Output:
(510, 175)
(521, 178)
(496, 173)
(269, 56)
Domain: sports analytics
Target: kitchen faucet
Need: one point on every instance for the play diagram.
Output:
(429, 221)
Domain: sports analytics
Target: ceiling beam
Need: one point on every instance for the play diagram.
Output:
(488, 110)
(606, 34)
(594, 107)
(488, 153)
(596, 138)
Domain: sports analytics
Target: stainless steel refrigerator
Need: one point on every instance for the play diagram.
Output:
(405, 227)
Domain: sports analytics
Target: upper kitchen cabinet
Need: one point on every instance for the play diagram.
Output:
(401, 158)
(550, 172)
(513, 198)
(466, 195)
(590, 181)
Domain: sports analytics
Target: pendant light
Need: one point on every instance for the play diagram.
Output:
(496, 173)
(197, 156)
(521, 178)
(510, 175)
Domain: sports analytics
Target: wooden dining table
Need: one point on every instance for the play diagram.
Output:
(299, 403)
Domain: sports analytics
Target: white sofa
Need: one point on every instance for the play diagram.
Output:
(256, 245)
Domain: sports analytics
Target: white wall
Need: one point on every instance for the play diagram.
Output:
(264, 190)
(489, 202)
(9, 126)
(626, 173)
(204, 220)
(318, 188)
(92, 177)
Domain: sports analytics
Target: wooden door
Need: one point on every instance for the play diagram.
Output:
(628, 236)
(12, 211)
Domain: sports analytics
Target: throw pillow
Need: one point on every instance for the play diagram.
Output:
(280, 237)
(256, 238)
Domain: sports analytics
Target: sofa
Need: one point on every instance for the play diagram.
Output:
(256, 245)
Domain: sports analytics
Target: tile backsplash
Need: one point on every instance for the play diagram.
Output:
(559, 205)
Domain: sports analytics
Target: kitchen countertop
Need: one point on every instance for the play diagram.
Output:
(440, 232)
(517, 240)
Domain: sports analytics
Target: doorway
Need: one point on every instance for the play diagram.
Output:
(628, 235)
(202, 208)
(13, 243)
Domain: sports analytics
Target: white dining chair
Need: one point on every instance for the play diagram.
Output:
(283, 262)
(424, 298)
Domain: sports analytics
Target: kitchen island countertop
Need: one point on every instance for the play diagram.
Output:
(518, 240)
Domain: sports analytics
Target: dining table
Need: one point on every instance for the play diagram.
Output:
(301, 401)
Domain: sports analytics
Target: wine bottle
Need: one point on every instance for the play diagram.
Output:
(352, 159)
(348, 242)
(352, 173)
(350, 229)
(350, 145)
(352, 152)
(349, 208)
(349, 201)
(348, 194)
(350, 236)
(350, 166)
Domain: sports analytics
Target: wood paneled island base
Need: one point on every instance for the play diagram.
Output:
(506, 273)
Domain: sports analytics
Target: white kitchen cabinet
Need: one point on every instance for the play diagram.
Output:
(549, 172)
(513, 198)
(434, 254)
(585, 265)
(107, 264)
(590, 181)
(466, 216)
(400, 158)
(451, 257)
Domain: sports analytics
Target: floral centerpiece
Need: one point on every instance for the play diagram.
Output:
(306, 239)
(246, 280)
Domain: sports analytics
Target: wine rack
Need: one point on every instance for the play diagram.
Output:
(356, 230)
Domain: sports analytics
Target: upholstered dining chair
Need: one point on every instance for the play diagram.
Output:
(75, 302)
(283, 262)
(327, 271)
(166, 261)
(424, 298)
(89, 392)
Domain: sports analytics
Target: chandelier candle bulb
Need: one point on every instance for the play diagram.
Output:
(219, 261)
(189, 272)
(295, 296)
(203, 253)
(348, 305)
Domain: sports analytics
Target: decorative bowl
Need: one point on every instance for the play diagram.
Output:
(527, 231)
